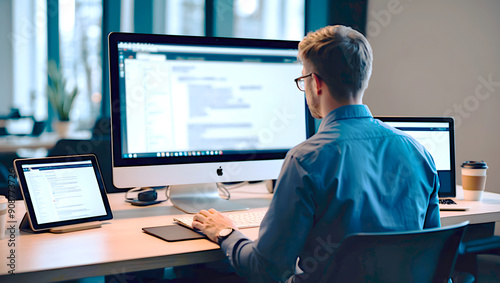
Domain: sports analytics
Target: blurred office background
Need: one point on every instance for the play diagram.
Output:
(432, 58)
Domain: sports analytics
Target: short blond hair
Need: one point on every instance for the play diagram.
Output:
(340, 56)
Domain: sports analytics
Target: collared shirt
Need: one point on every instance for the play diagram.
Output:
(356, 174)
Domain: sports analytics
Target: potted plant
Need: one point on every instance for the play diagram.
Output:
(60, 99)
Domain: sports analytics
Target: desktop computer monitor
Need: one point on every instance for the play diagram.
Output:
(189, 111)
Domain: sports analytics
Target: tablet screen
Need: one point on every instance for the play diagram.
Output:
(62, 191)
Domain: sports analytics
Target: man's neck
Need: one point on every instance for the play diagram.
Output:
(332, 104)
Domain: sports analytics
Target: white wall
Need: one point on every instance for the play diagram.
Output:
(432, 58)
(5, 57)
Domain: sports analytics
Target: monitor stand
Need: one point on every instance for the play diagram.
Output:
(195, 197)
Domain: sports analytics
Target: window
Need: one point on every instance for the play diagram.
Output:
(279, 19)
(78, 32)
(183, 17)
(28, 50)
(80, 56)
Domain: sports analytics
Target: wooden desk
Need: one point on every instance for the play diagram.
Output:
(485, 211)
(120, 246)
(13, 143)
(46, 140)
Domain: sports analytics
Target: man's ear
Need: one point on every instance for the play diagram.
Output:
(318, 84)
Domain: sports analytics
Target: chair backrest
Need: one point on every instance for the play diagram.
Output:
(102, 128)
(38, 128)
(8, 178)
(412, 256)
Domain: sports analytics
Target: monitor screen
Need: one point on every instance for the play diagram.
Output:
(199, 109)
(437, 136)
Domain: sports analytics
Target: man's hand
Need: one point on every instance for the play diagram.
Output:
(211, 222)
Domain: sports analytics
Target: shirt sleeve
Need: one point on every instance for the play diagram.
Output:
(283, 231)
(432, 217)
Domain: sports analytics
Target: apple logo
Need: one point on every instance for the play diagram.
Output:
(219, 171)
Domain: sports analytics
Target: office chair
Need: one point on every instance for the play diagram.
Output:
(411, 256)
(7, 177)
(467, 260)
(102, 128)
(38, 128)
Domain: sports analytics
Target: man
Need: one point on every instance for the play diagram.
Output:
(356, 174)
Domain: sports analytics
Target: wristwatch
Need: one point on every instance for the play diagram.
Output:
(223, 234)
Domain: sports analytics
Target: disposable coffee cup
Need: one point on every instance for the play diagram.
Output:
(3, 216)
(474, 179)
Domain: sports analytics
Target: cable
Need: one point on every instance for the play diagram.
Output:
(235, 186)
(224, 190)
(167, 192)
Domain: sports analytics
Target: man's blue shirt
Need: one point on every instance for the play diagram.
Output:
(356, 174)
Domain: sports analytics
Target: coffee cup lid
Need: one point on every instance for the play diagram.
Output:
(474, 165)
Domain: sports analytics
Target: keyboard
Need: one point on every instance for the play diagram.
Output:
(449, 204)
(242, 219)
(447, 201)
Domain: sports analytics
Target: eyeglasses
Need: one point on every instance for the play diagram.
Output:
(300, 82)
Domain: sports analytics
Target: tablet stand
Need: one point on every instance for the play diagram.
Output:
(26, 227)
(76, 227)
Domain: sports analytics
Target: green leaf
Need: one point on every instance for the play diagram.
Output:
(60, 99)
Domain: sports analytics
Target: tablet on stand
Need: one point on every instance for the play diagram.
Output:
(62, 194)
